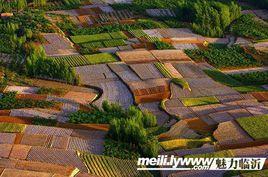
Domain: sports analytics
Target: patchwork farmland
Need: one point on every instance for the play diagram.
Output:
(89, 86)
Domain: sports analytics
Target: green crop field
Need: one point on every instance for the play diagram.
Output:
(199, 101)
(100, 58)
(90, 38)
(118, 35)
(224, 57)
(109, 166)
(114, 43)
(249, 88)
(93, 45)
(73, 61)
(12, 128)
(256, 126)
(183, 143)
(137, 33)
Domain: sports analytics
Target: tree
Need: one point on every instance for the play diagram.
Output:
(21, 4)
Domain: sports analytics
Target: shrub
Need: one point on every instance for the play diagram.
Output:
(249, 26)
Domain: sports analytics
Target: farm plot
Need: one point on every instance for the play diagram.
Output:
(180, 46)
(56, 156)
(160, 13)
(95, 73)
(90, 38)
(230, 133)
(85, 20)
(261, 96)
(223, 57)
(199, 101)
(101, 58)
(115, 92)
(79, 39)
(162, 116)
(146, 71)
(173, 33)
(115, 16)
(183, 143)
(57, 45)
(73, 60)
(44, 130)
(136, 56)
(21, 89)
(108, 166)
(189, 70)
(256, 126)
(124, 72)
(12, 128)
(170, 55)
(150, 90)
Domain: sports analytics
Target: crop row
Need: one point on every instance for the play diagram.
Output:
(108, 166)
(80, 60)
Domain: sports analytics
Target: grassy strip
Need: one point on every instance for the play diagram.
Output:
(184, 143)
(250, 88)
(12, 128)
(222, 78)
(199, 101)
(256, 126)
(164, 71)
(182, 83)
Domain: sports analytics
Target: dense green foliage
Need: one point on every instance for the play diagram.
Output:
(126, 126)
(222, 56)
(259, 3)
(252, 78)
(212, 18)
(44, 122)
(38, 65)
(249, 26)
(119, 150)
(9, 101)
(209, 18)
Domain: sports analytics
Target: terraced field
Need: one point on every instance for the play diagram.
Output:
(107, 166)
